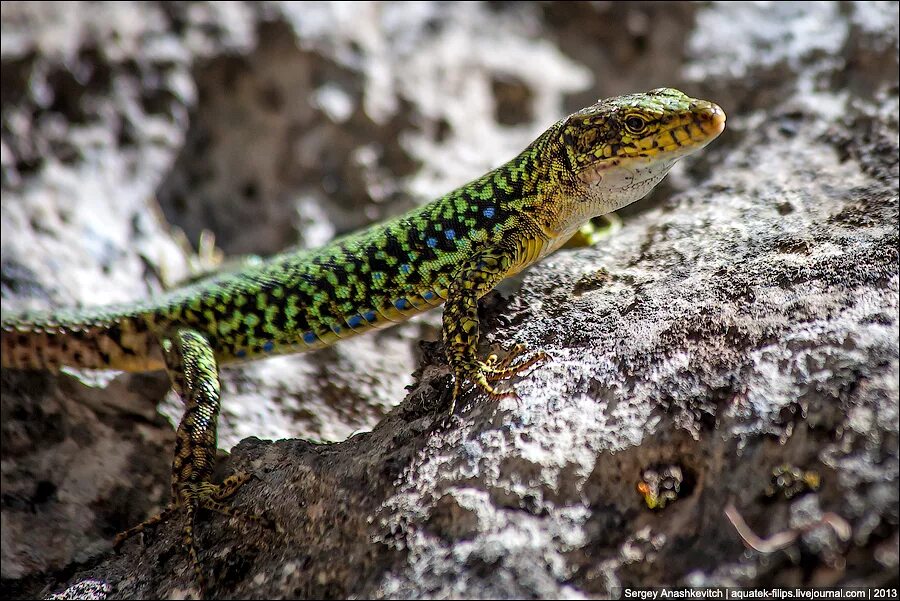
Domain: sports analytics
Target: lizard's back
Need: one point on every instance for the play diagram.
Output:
(292, 302)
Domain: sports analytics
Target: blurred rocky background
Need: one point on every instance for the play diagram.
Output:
(721, 404)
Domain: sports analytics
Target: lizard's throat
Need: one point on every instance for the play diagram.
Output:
(608, 189)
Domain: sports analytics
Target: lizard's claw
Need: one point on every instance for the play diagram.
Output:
(189, 498)
(493, 370)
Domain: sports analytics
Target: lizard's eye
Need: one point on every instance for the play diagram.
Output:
(635, 124)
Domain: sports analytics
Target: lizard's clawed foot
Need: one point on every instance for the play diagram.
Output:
(189, 498)
(482, 383)
(162, 516)
(493, 370)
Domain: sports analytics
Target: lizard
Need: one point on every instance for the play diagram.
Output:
(451, 251)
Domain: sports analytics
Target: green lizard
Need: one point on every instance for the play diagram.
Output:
(452, 251)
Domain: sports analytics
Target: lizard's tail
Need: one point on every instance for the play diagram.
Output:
(92, 339)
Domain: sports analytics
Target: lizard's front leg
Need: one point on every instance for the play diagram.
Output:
(460, 324)
(594, 231)
(192, 368)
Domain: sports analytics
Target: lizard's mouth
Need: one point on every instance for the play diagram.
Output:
(710, 119)
(682, 135)
(703, 125)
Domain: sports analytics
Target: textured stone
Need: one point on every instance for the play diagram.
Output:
(744, 318)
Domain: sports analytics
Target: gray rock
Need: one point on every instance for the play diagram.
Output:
(745, 318)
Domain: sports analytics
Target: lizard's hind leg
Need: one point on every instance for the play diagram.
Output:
(191, 364)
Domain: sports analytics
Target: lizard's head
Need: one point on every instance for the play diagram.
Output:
(621, 147)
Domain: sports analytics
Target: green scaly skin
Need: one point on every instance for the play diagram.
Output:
(453, 251)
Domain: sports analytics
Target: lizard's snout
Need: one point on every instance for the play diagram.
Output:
(710, 117)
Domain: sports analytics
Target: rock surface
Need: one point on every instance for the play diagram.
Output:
(744, 319)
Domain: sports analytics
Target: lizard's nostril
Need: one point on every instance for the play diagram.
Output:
(711, 117)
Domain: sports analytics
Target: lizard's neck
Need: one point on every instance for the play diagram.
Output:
(549, 195)
(559, 200)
